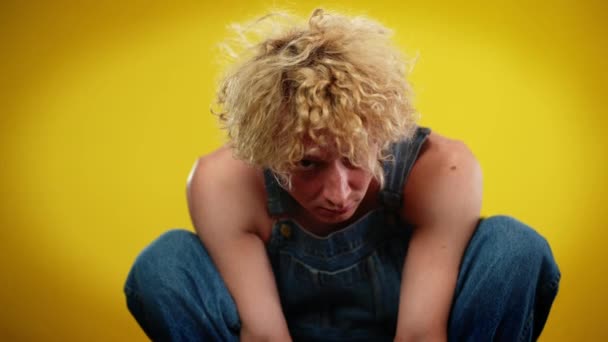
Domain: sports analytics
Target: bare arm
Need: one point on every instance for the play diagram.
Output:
(223, 203)
(443, 201)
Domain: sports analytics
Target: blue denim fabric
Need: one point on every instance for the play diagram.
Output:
(345, 287)
(175, 292)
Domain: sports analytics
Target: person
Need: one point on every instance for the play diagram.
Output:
(331, 215)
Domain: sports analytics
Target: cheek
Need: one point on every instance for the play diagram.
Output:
(304, 189)
(360, 181)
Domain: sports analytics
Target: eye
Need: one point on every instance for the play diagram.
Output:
(306, 164)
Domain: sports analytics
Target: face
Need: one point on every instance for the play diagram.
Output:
(328, 186)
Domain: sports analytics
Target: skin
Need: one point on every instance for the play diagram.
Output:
(331, 192)
(443, 201)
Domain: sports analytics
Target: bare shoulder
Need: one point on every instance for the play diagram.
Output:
(227, 173)
(445, 172)
(226, 194)
(439, 150)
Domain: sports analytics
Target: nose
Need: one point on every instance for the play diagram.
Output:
(336, 189)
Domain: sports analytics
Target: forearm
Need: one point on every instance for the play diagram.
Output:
(421, 337)
(417, 334)
(258, 335)
(244, 266)
(427, 288)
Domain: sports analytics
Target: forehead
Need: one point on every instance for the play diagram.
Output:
(330, 153)
(329, 150)
(324, 151)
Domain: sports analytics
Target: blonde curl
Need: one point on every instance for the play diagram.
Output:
(336, 82)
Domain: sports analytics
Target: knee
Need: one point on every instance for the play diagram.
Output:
(514, 244)
(508, 235)
(508, 275)
(161, 262)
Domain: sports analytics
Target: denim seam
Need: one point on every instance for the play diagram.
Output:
(306, 252)
(340, 253)
(315, 270)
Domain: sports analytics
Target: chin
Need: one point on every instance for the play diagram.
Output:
(328, 217)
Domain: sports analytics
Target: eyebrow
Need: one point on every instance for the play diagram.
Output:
(314, 152)
(313, 157)
(317, 154)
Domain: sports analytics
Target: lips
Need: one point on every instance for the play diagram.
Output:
(337, 211)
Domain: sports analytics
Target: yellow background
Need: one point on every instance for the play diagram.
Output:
(104, 108)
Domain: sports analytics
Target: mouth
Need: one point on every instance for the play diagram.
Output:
(337, 212)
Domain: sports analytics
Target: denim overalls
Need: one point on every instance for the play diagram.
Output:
(345, 287)
(348, 281)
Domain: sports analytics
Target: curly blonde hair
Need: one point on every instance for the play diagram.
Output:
(337, 82)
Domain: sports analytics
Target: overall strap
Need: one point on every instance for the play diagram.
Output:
(277, 197)
(396, 171)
